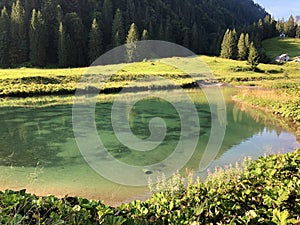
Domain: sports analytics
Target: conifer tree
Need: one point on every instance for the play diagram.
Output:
(62, 46)
(76, 40)
(145, 35)
(242, 48)
(290, 27)
(247, 42)
(280, 26)
(186, 39)
(195, 38)
(60, 14)
(225, 46)
(298, 32)
(38, 39)
(161, 32)
(95, 42)
(107, 12)
(234, 42)
(131, 45)
(50, 10)
(253, 58)
(130, 12)
(18, 47)
(118, 29)
(4, 38)
(229, 45)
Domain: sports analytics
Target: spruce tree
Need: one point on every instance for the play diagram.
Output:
(18, 47)
(247, 42)
(186, 39)
(280, 26)
(50, 11)
(38, 39)
(130, 12)
(290, 27)
(33, 39)
(161, 32)
(298, 32)
(118, 29)
(242, 48)
(253, 58)
(233, 44)
(225, 45)
(62, 46)
(195, 38)
(76, 40)
(95, 42)
(145, 35)
(131, 40)
(107, 12)
(4, 38)
(229, 45)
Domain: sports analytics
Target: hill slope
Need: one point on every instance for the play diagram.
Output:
(196, 24)
(278, 46)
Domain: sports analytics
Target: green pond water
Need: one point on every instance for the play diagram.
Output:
(38, 150)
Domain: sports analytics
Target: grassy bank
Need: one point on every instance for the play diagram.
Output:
(281, 102)
(284, 80)
(279, 92)
(265, 191)
(30, 82)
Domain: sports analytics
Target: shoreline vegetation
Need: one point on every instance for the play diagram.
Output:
(264, 191)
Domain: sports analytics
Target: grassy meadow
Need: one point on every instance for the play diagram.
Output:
(277, 46)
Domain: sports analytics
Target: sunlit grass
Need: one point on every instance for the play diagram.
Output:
(277, 46)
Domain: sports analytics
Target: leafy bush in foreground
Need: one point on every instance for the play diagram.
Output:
(265, 191)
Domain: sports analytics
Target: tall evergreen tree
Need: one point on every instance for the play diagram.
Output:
(62, 46)
(50, 11)
(107, 12)
(253, 58)
(298, 32)
(76, 40)
(19, 46)
(131, 40)
(229, 45)
(118, 29)
(186, 38)
(130, 12)
(145, 35)
(195, 42)
(60, 14)
(38, 39)
(95, 42)
(225, 46)
(280, 26)
(247, 42)
(168, 30)
(242, 48)
(290, 27)
(4, 38)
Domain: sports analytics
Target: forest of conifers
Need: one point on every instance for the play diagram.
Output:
(73, 33)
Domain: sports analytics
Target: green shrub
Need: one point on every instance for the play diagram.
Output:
(265, 191)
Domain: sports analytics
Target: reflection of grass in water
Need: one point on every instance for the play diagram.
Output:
(34, 176)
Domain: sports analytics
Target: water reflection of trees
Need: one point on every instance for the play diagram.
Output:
(32, 136)
(271, 122)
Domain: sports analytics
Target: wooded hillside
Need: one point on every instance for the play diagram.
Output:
(74, 32)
